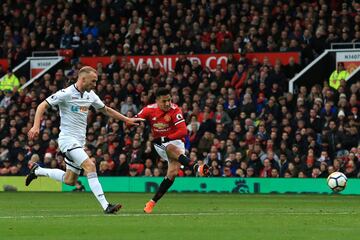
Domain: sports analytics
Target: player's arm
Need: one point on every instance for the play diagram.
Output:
(108, 111)
(34, 131)
(53, 100)
(180, 131)
(143, 114)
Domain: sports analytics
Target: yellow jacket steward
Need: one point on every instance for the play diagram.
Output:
(9, 82)
(336, 77)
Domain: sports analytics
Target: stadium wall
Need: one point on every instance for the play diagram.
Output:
(4, 63)
(167, 62)
(221, 185)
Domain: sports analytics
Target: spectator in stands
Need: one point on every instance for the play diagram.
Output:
(65, 41)
(221, 116)
(339, 74)
(113, 66)
(122, 166)
(292, 68)
(10, 82)
(7, 99)
(128, 106)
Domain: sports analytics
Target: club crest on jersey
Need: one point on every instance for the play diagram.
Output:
(167, 118)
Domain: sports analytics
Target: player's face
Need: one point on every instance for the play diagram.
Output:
(90, 81)
(164, 102)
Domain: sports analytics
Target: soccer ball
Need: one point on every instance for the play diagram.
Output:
(337, 181)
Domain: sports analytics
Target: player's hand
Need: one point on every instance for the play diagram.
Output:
(134, 121)
(33, 132)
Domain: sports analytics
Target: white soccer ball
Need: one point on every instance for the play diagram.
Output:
(337, 181)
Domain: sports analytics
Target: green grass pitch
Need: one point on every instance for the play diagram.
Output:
(70, 216)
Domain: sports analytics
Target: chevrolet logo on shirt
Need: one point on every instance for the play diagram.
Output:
(161, 125)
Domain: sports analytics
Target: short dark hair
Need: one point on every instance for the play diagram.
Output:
(162, 92)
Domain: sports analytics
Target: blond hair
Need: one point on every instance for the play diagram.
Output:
(34, 158)
(87, 70)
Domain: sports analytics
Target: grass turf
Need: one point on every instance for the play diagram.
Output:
(180, 216)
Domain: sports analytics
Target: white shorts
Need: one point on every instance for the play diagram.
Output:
(74, 153)
(161, 149)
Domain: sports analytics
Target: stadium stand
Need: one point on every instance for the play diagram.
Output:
(242, 120)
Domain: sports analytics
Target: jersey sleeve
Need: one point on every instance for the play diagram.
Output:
(144, 113)
(97, 103)
(56, 98)
(178, 117)
(179, 130)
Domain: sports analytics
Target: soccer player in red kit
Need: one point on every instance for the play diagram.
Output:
(169, 130)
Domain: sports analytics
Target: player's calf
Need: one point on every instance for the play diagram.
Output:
(164, 186)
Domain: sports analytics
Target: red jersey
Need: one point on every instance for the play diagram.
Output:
(169, 124)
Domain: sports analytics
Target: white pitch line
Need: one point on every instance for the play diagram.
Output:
(177, 214)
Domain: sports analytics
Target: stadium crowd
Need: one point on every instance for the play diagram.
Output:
(256, 130)
(241, 121)
(139, 27)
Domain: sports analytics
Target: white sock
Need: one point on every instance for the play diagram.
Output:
(56, 174)
(97, 189)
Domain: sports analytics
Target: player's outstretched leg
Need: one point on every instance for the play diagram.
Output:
(98, 192)
(164, 186)
(169, 179)
(96, 188)
(36, 171)
(173, 152)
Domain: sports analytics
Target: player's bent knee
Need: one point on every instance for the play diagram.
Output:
(88, 166)
(70, 182)
(173, 151)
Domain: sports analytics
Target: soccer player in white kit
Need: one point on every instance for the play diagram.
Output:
(74, 102)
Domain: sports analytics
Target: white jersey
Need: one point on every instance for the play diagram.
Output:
(74, 108)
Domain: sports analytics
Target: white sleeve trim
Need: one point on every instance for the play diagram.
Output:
(183, 120)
